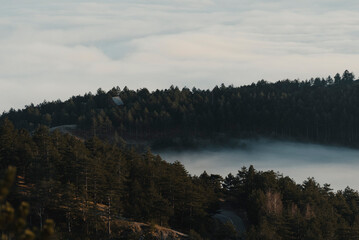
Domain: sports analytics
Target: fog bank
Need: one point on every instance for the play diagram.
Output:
(337, 166)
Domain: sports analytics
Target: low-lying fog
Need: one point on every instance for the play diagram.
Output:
(327, 164)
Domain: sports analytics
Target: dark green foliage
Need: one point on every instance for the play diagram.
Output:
(318, 110)
(13, 223)
(87, 185)
(226, 231)
(193, 235)
(280, 209)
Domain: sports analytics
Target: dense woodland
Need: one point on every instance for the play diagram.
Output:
(316, 110)
(94, 185)
(86, 187)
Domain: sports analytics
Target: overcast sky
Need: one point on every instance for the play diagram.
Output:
(55, 49)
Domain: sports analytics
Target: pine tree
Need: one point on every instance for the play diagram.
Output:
(13, 222)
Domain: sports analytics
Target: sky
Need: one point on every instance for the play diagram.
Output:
(52, 50)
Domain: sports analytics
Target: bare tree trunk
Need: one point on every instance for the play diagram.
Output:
(40, 212)
(109, 216)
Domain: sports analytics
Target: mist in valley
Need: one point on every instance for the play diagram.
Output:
(337, 166)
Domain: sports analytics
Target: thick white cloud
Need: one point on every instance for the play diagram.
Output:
(51, 50)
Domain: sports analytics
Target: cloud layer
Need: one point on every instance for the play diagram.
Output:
(333, 165)
(51, 50)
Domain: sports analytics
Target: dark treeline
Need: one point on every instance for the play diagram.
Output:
(86, 187)
(278, 208)
(318, 110)
(89, 187)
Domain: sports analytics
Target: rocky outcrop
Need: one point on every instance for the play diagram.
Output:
(135, 230)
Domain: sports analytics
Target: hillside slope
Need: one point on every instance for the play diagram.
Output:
(317, 110)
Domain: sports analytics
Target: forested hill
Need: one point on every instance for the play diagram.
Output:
(318, 110)
(96, 190)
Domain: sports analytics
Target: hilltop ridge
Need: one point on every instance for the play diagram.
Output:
(317, 110)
